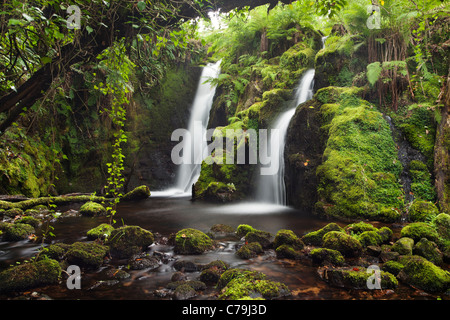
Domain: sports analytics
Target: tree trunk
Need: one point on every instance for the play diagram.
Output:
(441, 151)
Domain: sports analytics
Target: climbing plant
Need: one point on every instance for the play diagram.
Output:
(117, 67)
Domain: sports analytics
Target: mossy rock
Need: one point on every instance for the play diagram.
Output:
(249, 250)
(370, 238)
(126, 241)
(422, 211)
(17, 232)
(419, 230)
(344, 243)
(32, 221)
(262, 237)
(286, 251)
(393, 267)
(315, 237)
(57, 251)
(359, 227)
(138, 193)
(423, 274)
(87, 255)
(385, 234)
(30, 275)
(287, 237)
(247, 286)
(14, 212)
(429, 250)
(243, 229)
(231, 274)
(359, 278)
(212, 272)
(324, 256)
(103, 231)
(404, 246)
(192, 241)
(91, 209)
(442, 224)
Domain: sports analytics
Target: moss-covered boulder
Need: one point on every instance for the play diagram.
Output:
(359, 227)
(91, 209)
(315, 237)
(442, 224)
(286, 251)
(324, 256)
(17, 232)
(56, 251)
(138, 193)
(103, 231)
(287, 237)
(419, 230)
(126, 241)
(404, 246)
(30, 275)
(32, 221)
(192, 241)
(262, 237)
(423, 274)
(344, 243)
(249, 250)
(422, 211)
(86, 254)
(243, 229)
(393, 267)
(14, 212)
(231, 274)
(370, 238)
(429, 250)
(212, 272)
(245, 285)
(359, 278)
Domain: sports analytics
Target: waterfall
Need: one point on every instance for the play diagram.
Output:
(271, 188)
(189, 171)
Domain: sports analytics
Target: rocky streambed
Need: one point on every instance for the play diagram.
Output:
(173, 249)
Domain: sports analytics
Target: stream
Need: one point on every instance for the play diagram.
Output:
(166, 215)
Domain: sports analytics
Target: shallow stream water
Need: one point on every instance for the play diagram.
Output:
(166, 215)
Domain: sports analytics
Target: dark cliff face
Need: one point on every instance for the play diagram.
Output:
(303, 153)
(157, 115)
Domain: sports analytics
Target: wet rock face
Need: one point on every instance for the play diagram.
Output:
(303, 153)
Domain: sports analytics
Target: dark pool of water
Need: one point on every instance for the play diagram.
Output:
(168, 215)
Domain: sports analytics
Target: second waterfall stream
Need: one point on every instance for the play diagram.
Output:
(271, 188)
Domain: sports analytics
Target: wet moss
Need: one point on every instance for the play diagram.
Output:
(249, 250)
(360, 278)
(316, 237)
(344, 243)
(192, 241)
(103, 231)
(404, 246)
(87, 255)
(92, 209)
(128, 240)
(243, 229)
(138, 193)
(323, 256)
(249, 287)
(30, 275)
(287, 237)
(422, 211)
(370, 238)
(286, 251)
(359, 174)
(423, 274)
(17, 232)
(419, 230)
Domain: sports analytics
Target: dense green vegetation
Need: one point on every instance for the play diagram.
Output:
(90, 109)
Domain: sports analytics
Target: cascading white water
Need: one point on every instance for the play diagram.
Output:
(271, 188)
(189, 171)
